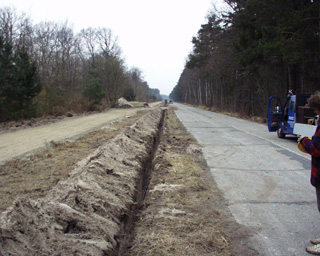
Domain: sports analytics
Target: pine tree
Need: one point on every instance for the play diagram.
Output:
(93, 89)
(19, 82)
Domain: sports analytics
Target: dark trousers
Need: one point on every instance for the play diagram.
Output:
(318, 198)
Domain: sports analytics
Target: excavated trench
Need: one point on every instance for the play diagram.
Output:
(128, 224)
(93, 211)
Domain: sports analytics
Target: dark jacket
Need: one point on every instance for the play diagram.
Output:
(313, 148)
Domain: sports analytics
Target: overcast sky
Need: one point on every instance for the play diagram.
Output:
(154, 35)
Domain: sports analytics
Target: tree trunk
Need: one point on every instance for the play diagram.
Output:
(293, 77)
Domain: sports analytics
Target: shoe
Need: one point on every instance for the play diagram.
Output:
(315, 249)
(315, 241)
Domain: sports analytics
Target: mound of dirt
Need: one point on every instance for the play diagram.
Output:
(123, 103)
(84, 215)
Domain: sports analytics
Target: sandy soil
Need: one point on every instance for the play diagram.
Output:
(24, 139)
(34, 176)
(183, 212)
(84, 213)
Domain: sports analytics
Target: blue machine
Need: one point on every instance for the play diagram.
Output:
(283, 119)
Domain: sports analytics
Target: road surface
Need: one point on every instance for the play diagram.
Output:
(264, 179)
(22, 142)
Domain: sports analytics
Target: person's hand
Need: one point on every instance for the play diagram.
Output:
(301, 138)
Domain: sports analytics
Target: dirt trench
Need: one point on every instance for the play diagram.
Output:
(126, 235)
(90, 213)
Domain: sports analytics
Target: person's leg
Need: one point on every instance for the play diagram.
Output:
(315, 249)
(317, 240)
(318, 198)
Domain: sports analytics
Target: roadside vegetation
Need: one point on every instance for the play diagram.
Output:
(184, 212)
(250, 51)
(50, 69)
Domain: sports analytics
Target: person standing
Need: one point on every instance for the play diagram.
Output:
(312, 146)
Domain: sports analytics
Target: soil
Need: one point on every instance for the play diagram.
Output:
(11, 126)
(84, 213)
(35, 176)
(183, 212)
(27, 139)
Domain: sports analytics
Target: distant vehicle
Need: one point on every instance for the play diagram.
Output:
(294, 117)
(170, 102)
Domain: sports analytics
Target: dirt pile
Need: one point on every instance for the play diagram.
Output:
(123, 103)
(84, 215)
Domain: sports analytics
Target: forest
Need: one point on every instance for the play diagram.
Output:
(48, 69)
(254, 50)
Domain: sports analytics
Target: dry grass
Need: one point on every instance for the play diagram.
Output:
(257, 119)
(137, 104)
(183, 212)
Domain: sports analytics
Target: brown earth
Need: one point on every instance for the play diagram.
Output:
(33, 177)
(27, 140)
(183, 212)
(85, 213)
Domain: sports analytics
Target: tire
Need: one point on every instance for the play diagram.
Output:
(280, 133)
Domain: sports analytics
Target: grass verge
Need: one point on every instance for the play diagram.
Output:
(184, 213)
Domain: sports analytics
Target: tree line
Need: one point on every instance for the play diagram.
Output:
(254, 50)
(48, 69)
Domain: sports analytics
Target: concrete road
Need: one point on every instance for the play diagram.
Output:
(266, 180)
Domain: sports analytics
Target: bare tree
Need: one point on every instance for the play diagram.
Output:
(112, 74)
(16, 29)
(108, 43)
(66, 58)
(45, 43)
(88, 40)
(71, 65)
